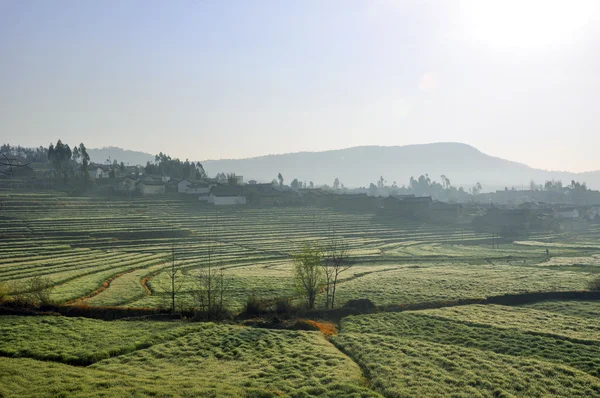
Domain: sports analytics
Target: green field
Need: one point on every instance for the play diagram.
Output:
(82, 244)
(114, 252)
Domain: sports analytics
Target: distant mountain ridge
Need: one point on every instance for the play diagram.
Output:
(463, 164)
(101, 155)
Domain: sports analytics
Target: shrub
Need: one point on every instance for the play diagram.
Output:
(284, 306)
(594, 284)
(254, 306)
(363, 306)
(4, 291)
(38, 290)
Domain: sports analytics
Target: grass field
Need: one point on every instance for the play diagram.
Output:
(477, 351)
(100, 252)
(112, 252)
(149, 358)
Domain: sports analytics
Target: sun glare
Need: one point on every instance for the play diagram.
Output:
(528, 23)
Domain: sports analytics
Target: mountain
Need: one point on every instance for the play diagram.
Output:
(100, 155)
(463, 164)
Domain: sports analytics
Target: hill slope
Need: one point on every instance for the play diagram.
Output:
(359, 166)
(100, 155)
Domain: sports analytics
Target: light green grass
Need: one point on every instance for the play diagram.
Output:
(417, 325)
(82, 340)
(399, 367)
(584, 309)
(522, 318)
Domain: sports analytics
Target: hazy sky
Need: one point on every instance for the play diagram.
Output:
(205, 79)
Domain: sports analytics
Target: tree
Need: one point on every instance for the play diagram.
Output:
(59, 157)
(295, 184)
(232, 179)
(38, 290)
(373, 190)
(211, 286)
(381, 183)
(9, 164)
(335, 262)
(476, 189)
(336, 183)
(280, 178)
(174, 282)
(85, 161)
(308, 273)
(200, 173)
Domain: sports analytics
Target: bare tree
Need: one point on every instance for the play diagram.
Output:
(335, 262)
(174, 281)
(9, 164)
(211, 286)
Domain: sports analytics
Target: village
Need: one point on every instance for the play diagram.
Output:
(506, 213)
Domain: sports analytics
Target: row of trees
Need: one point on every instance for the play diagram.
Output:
(166, 166)
(317, 269)
(67, 163)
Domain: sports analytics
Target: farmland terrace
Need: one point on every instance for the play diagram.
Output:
(101, 253)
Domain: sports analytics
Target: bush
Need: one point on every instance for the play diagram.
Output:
(284, 306)
(38, 290)
(363, 306)
(254, 306)
(4, 292)
(594, 284)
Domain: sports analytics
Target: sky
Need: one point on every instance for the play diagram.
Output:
(209, 79)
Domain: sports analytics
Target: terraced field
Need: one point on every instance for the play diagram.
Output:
(113, 252)
(476, 351)
(100, 252)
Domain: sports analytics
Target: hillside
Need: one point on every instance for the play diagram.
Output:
(359, 166)
(100, 155)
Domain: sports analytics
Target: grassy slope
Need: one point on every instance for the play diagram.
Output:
(418, 326)
(168, 359)
(287, 362)
(81, 340)
(401, 367)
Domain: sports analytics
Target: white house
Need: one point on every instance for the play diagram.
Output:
(151, 187)
(101, 172)
(566, 212)
(226, 196)
(199, 188)
(183, 185)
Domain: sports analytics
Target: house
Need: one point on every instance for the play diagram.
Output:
(172, 185)
(126, 185)
(199, 188)
(151, 187)
(314, 197)
(355, 202)
(592, 212)
(270, 195)
(506, 221)
(183, 185)
(101, 172)
(226, 195)
(566, 212)
(418, 207)
(446, 212)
